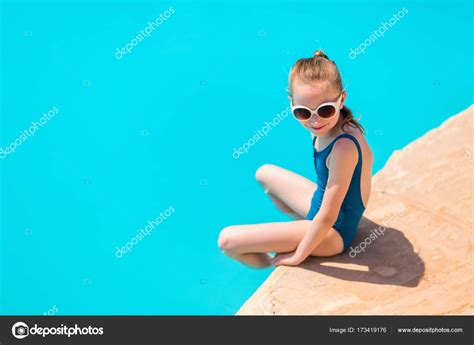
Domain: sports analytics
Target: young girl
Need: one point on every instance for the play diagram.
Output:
(327, 213)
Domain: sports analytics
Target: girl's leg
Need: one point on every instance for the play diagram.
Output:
(290, 192)
(250, 243)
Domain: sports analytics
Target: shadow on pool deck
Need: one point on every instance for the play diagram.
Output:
(389, 259)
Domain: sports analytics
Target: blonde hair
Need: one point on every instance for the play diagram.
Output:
(320, 68)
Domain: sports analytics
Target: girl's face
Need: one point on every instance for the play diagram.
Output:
(311, 96)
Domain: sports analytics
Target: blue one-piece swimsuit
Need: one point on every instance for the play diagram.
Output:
(352, 207)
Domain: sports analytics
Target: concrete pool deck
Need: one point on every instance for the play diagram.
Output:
(417, 252)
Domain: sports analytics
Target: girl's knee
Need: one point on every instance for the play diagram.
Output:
(225, 241)
(263, 172)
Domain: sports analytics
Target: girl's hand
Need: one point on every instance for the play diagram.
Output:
(287, 259)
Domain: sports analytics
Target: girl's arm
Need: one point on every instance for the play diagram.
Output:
(342, 164)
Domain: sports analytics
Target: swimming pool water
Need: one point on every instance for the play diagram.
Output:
(154, 131)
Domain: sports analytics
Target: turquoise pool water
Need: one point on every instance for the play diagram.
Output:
(134, 133)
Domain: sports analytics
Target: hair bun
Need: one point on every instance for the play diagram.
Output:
(320, 54)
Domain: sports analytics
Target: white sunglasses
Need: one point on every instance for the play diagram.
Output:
(325, 110)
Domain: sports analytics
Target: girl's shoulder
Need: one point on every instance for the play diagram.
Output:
(357, 134)
(349, 142)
